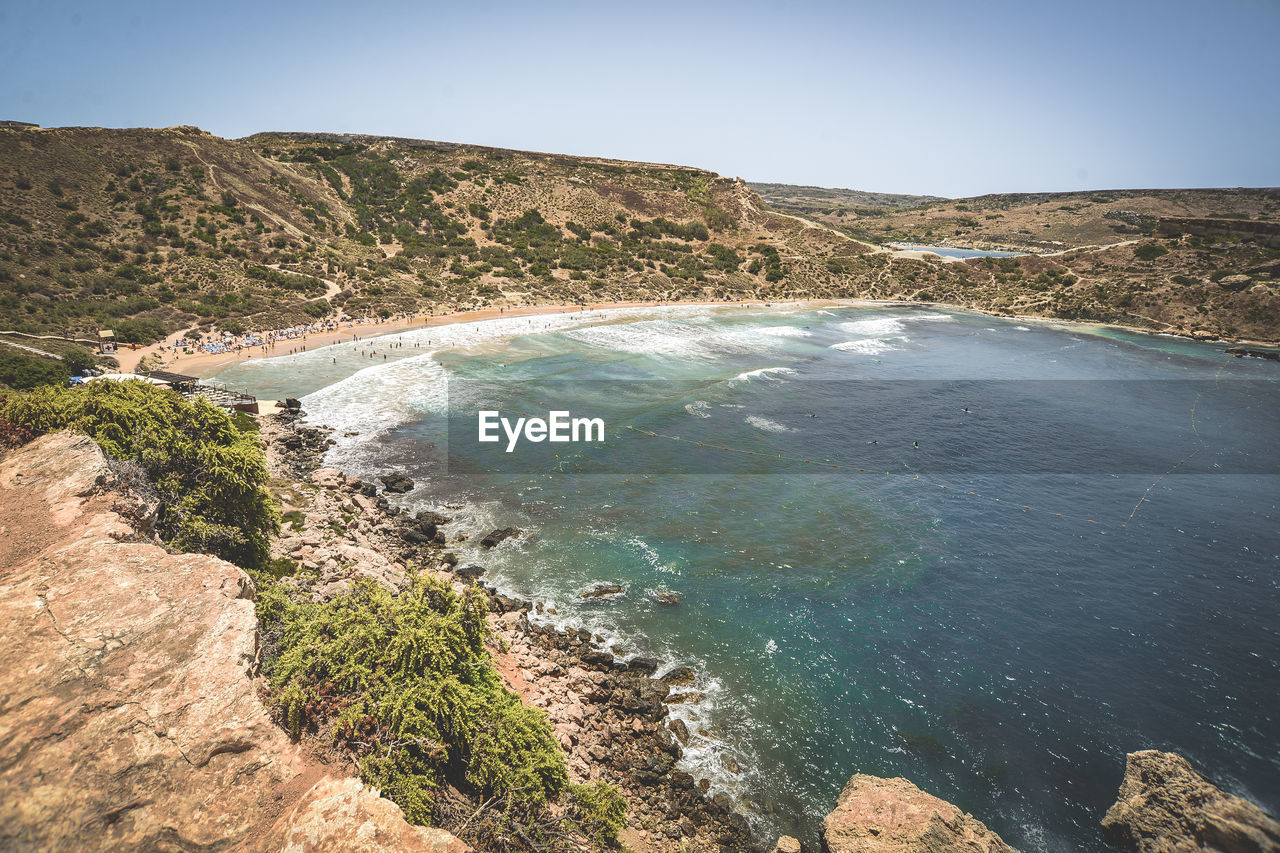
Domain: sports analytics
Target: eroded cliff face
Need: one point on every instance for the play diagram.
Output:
(128, 715)
(1165, 806)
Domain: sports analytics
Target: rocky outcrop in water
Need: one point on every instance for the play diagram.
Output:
(875, 815)
(1165, 806)
(497, 537)
(130, 719)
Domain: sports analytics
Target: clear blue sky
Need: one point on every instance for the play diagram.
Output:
(918, 96)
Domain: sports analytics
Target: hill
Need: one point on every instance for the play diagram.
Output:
(151, 231)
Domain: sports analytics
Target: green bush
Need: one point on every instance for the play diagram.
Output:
(210, 476)
(78, 360)
(599, 810)
(407, 684)
(1149, 251)
(142, 330)
(25, 372)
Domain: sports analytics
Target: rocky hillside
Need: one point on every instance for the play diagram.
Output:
(130, 719)
(151, 231)
(836, 205)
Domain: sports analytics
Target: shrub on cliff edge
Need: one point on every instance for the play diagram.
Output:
(405, 682)
(210, 476)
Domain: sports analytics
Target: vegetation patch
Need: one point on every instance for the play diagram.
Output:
(210, 476)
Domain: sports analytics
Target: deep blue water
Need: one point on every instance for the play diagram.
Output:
(1002, 642)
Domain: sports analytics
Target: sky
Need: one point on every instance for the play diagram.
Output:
(913, 96)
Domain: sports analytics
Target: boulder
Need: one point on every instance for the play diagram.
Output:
(786, 844)
(397, 484)
(875, 815)
(1235, 282)
(469, 573)
(496, 537)
(597, 658)
(1165, 806)
(328, 478)
(130, 710)
(604, 590)
(667, 597)
(681, 676)
(343, 815)
(687, 696)
(644, 666)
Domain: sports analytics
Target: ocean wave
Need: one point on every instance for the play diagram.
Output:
(783, 332)
(869, 346)
(767, 425)
(763, 373)
(875, 326)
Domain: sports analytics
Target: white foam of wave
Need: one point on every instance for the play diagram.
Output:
(692, 338)
(698, 408)
(763, 373)
(869, 346)
(376, 399)
(381, 397)
(783, 332)
(653, 337)
(875, 327)
(767, 425)
(650, 556)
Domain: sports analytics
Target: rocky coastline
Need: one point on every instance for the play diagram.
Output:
(609, 715)
(133, 718)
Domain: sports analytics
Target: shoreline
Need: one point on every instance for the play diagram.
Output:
(609, 713)
(205, 365)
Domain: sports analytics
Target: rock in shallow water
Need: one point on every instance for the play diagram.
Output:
(604, 590)
(397, 483)
(497, 537)
(1165, 805)
(667, 597)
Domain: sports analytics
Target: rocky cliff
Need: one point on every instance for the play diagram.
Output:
(875, 815)
(1165, 806)
(129, 717)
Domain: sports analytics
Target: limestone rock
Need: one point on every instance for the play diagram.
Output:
(342, 815)
(1165, 806)
(1235, 282)
(786, 844)
(130, 718)
(875, 815)
(328, 478)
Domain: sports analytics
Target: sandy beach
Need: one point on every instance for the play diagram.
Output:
(206, 364)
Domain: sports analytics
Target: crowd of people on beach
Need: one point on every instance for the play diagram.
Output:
(266, 341)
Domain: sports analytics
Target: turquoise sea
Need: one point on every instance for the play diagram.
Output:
(908, 542)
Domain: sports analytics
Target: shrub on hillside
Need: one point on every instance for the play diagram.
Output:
(406, 683)
(211, 477)
(141, 330)
(1149, 251)
(25, 372)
